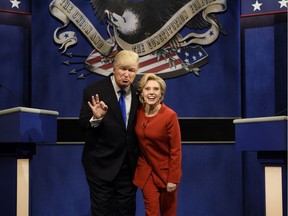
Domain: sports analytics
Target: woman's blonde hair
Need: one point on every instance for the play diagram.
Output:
(145, 78)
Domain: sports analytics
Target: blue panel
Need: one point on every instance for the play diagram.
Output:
(58, 182)
(259, 72)
(253, 185)
(211, 182)
(28, 127)
(12, 63)
(262, 136)
(51, 79)
(212, 176)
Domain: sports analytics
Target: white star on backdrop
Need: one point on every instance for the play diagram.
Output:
(283, 3)
(15, 3)
(257, 6)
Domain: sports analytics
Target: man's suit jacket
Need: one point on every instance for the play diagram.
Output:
(107, 145)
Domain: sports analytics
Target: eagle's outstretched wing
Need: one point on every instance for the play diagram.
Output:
(99, 7)
(152, 14)
(172, 6)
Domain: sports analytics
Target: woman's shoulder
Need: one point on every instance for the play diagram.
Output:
(167, 110)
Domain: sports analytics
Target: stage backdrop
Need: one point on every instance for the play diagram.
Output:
(58, 86)
(217, 179)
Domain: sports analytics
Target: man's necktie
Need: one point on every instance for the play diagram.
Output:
(122, 104)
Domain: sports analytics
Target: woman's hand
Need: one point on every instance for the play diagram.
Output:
(171, 187)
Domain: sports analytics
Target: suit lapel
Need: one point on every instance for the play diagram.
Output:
(134, 104)
(112, 101)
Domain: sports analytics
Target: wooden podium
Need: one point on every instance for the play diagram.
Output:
(21, 128)
(268, 137)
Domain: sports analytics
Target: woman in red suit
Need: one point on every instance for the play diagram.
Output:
(158, 169)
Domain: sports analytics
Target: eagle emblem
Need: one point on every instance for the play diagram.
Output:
(168, 35)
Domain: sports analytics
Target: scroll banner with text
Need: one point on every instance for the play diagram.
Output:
(66, 11)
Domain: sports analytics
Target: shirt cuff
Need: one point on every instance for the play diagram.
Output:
(95, 122)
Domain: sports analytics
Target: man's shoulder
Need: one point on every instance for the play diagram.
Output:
(98, 83)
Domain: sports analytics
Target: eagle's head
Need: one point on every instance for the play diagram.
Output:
(128, 24)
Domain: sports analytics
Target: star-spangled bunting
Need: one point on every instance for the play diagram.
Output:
(283, 3)
(255, 7)
(15, 3)
(193, 56)
(15, 6)
(185, 58)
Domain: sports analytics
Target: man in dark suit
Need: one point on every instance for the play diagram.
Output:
(111, 150)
